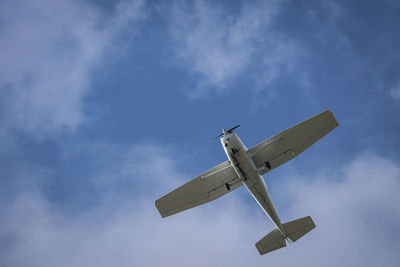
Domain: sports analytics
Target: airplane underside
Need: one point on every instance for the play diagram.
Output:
(251, 179)
(246, 167)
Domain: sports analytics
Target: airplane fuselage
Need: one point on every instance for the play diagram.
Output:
(247, 171)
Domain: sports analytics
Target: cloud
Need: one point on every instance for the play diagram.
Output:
(354, 213)
(353, 207)
(46, 58)
(219, 48)
(124, 229)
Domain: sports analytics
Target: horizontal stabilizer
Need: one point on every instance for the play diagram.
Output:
(297, 228)
(293, 230)
(272, 241)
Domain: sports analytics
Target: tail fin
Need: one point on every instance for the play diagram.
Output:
(294, 230)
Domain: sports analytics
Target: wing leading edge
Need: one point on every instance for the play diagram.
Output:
(286, 145)
(204, 188)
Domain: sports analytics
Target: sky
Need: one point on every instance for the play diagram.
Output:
(105, 106)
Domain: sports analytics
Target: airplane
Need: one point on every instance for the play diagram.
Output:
(246, 167)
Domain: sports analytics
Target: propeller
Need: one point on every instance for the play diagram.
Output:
(227, 131)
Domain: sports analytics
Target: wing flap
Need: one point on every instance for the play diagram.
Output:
(286, 145)
(204, 188)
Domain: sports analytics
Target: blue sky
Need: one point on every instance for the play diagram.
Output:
(107, 105)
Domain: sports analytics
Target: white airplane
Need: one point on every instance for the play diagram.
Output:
(246, 167)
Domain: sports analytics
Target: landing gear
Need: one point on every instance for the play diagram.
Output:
(268, 165)
(228, 186)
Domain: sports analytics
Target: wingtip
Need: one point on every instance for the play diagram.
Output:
(158, 208)
(333, 116)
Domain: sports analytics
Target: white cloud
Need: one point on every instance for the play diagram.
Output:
(355, 213)
(46, 58)
(220, 48)
(354, 208)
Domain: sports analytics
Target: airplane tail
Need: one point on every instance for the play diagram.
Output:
(294, 230)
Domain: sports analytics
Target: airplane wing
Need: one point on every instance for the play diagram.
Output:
(286, 145)
(204, 188)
